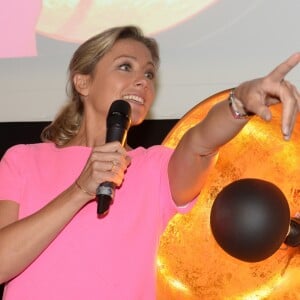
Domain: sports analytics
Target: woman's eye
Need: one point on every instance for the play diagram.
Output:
(125, 67)
(150, 75)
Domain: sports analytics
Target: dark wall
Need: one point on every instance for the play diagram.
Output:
(150, 132)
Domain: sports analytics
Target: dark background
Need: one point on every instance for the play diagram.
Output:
(150, 132)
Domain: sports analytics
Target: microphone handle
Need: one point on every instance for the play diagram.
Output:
(105, 194)
(106, 190)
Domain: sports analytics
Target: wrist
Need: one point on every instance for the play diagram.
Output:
(84, 190)
(237, 108)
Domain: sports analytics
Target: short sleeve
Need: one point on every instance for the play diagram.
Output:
(169, 208)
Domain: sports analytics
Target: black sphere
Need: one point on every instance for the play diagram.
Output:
(250, 219)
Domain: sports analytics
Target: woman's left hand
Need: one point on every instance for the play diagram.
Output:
(258, 94)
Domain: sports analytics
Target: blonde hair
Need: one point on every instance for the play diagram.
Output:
(68, 121)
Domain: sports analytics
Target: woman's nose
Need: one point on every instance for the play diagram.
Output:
(141, 81)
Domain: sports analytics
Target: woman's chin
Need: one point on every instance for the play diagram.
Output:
(137, 118)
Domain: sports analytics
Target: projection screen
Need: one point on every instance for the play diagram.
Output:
(206, 46)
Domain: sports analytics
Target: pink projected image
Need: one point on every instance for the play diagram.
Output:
(17, 27)
(75, 21)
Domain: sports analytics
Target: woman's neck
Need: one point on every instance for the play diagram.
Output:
(91, 133)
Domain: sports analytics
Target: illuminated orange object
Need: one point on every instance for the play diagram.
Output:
(191, 265)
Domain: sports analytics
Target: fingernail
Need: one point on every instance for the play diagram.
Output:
(286, 131)
(267, 116)
(286, 136)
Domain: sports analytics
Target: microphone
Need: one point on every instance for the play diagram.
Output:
(117, 123)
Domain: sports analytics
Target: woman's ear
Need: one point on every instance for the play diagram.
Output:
(81, 83)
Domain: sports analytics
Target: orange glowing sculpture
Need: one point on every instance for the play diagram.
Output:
(191, 265)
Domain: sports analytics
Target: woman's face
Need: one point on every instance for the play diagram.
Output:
(126, 72)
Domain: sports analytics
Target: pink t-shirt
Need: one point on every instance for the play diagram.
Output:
(111, 258)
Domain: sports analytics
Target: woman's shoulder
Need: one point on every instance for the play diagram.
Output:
(46, 149)
(151, 153)
(152, 149)
(24, 152)
(22, 148)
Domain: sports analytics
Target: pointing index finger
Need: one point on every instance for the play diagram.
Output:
(284, 68)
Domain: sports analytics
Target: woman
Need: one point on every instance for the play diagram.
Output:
(52, 245)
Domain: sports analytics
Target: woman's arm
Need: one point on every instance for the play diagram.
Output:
(22, 241)
(195, 153)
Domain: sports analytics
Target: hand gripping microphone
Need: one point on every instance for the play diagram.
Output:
(117, 123)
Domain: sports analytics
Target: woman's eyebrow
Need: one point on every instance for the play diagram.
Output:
(150, 62)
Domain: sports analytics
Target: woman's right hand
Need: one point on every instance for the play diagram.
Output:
(107, 162)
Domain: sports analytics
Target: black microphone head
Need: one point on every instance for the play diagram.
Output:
(121, 107)
(118, 121)
(119, 114)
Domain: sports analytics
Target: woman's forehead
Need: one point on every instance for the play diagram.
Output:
(130, 48)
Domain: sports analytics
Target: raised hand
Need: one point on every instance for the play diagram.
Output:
(258, 94)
